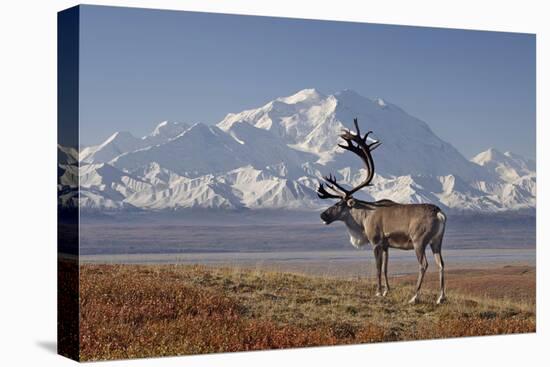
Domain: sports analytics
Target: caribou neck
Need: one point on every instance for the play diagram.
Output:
(355, 223)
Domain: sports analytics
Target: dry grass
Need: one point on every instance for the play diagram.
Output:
(130, 311)
(517, 283)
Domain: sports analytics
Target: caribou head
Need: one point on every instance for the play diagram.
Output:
(357, 144)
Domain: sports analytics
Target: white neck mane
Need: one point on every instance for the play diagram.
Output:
(356, 233)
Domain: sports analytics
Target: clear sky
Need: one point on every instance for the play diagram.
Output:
(139, 67)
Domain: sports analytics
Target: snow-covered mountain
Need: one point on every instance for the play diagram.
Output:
(272, 157)
(508, 166)
(516, 184)
(204, 149)
(123, 142)
(311, 122)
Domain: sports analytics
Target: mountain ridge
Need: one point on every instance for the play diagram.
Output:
(274, 155)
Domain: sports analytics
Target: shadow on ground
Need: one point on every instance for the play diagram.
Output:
(48, 345)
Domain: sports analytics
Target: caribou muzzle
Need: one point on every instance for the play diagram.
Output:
(326, 218)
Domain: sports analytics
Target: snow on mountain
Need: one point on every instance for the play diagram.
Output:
(260, 189)
(124, 142)
(201, 149)
(293, 119)
(508, 166)
(273, 157)
(311, 122)
(159, 188)
(201, 192)
(157, 176)
(517, 185)
(105, 186)
(204, 149)
(165, 131)
(116, 144)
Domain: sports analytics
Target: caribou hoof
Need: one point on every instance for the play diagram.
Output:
(441, 299)
(386, 291)
(378, 294)
(414, 300)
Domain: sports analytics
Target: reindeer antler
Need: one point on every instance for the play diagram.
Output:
(324, 194)
(363, 150)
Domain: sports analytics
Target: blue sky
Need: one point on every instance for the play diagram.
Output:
(139, 67)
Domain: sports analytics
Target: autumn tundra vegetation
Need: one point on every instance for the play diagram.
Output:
(133, 311)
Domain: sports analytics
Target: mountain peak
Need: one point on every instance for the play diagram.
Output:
(508, 166)
(158, 128)
(119, 135)
(167, 129)
(487, 156)
(309, 94)
(496, 156)
(201, 132)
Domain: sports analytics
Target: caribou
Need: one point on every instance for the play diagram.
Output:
(384, 223)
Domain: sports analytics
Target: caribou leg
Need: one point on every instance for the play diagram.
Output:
(422, 267)
(378, 258)
(441, 266)
(385, 270)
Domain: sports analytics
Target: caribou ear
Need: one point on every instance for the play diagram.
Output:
(350, 202)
